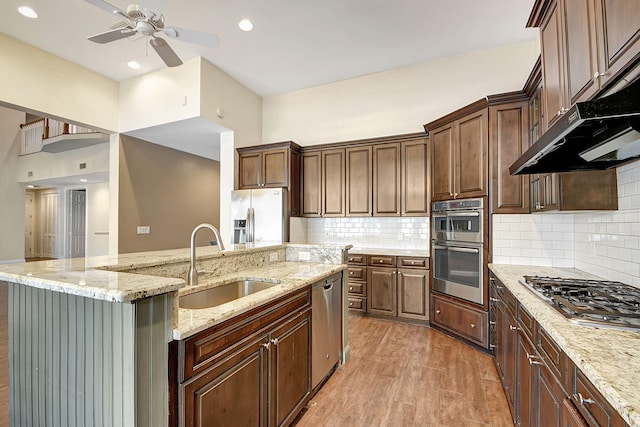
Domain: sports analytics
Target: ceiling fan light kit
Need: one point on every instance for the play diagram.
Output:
(147, 22)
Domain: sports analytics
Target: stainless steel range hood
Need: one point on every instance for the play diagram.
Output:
(593, 135)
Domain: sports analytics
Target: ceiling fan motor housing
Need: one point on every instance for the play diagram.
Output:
(139, 15)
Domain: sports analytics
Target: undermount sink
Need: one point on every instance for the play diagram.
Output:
(222, 294)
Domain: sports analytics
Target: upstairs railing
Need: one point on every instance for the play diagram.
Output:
(35, 133)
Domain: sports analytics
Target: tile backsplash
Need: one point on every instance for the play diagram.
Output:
(605, 243)
(370, 232)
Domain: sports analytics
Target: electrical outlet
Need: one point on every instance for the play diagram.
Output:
(304, 256)
(144, 229)
(273, 256)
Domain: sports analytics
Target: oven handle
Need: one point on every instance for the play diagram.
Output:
(457, 249)
(463, 214)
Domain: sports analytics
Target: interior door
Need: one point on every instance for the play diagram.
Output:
(50, 225)
(78, 223)
(29, 226)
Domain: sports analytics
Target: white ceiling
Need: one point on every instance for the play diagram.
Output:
(295, 44)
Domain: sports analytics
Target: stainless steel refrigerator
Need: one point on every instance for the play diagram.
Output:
(260, 215)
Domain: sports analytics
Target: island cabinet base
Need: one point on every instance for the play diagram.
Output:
(254, 369)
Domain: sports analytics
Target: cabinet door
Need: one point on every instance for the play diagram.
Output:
(552, 66)
(570, 415)
(460, 319)
(414, 161)
(312, 184)
(359, 181)
(231, 393)
(550, 398)
(527, 383)
(275, 168)
(413, 285)
(472, 156)
(250, 170)
(333, 169)
(295, 178)
(581, 49)
(441, 141)
(290, 368)
(619, 22)
(510, 348)
(381, 298)
(508, 126)
(386, 179)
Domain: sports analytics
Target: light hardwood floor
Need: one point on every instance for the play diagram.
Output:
(406, 375)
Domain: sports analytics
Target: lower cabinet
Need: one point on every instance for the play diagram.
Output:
(251, 370)
(387, 285)
(549, 390)
(463, 320)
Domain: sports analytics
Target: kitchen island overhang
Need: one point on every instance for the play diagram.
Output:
(89, 338)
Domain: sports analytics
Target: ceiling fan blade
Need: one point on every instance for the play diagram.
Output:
(108, 7)
(157, 6)
(204, 39)
(166, 53)
(112, 35)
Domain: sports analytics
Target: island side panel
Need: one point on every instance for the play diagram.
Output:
(72, 359)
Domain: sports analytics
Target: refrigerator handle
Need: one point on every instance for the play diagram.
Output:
(250, 226)
(247, 233)
(253, 225)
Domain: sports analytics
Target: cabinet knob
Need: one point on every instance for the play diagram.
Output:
(513, 328)
(491, 322)
(351, 273)
(267, 345)
(533, 360)
(275, 341)
(473, 325)
(437, 311)
(350, 303)
(596, 76)
(350, 288)
(583, 400)
(381, 261)
(494, 299)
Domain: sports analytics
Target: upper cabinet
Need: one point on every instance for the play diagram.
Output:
(375, 177)
(459, 153)
(272, 166)
(586, 45)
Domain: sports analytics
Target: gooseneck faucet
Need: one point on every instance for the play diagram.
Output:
(193, 273)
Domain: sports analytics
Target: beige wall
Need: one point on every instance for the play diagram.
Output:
(394, 102)
(168, 190)
(12, 194)
(37, 81)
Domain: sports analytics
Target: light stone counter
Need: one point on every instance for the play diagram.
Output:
(609, 358)
(291, 275)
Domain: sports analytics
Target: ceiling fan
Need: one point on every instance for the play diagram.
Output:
(147, 20)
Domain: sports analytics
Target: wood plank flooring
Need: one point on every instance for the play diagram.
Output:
(406, 375)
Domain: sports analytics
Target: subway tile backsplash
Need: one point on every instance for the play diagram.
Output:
(605, 243)
(370, 232)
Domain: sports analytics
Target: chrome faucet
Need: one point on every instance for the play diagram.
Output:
(193, 273)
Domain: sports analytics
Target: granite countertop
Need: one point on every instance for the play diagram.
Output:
(390, 252)
(292, 276)
(104, 277)
(608, 357)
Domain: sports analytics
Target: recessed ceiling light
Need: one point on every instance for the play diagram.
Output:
(134, 65)
(28, 12)
(83, 180)
(245, 25)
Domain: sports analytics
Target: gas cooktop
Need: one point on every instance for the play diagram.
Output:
(601, 303)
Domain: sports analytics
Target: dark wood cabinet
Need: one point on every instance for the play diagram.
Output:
(548, 390)
(459, 153)
(357, 283)
(414, 160)
(382, 285)
(508, 133)
(272, 166)
(386, 179)
(254, 369)
(461, 319)
(413, 298)
(311, 184)
(333, 183)
(359, 181)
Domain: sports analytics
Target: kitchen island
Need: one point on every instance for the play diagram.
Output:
(89, 338)
(608, 358)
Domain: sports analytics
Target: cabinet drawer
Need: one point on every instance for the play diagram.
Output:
(417, 262)
(526, 323)
(357, 259)
(463, 320)
(591, 404)
(357, 304)
(382, 260)
(357, 273)
(358, 288)
(552, 355)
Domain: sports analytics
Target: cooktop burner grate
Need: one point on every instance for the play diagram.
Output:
(602, 303)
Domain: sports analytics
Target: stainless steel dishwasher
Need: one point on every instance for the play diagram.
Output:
(326, 326)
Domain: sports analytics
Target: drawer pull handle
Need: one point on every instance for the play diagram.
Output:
(491, 322)
(533, 360)
(513, 328)
(584, 400)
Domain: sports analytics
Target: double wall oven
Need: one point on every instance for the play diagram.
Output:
(457, 248)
